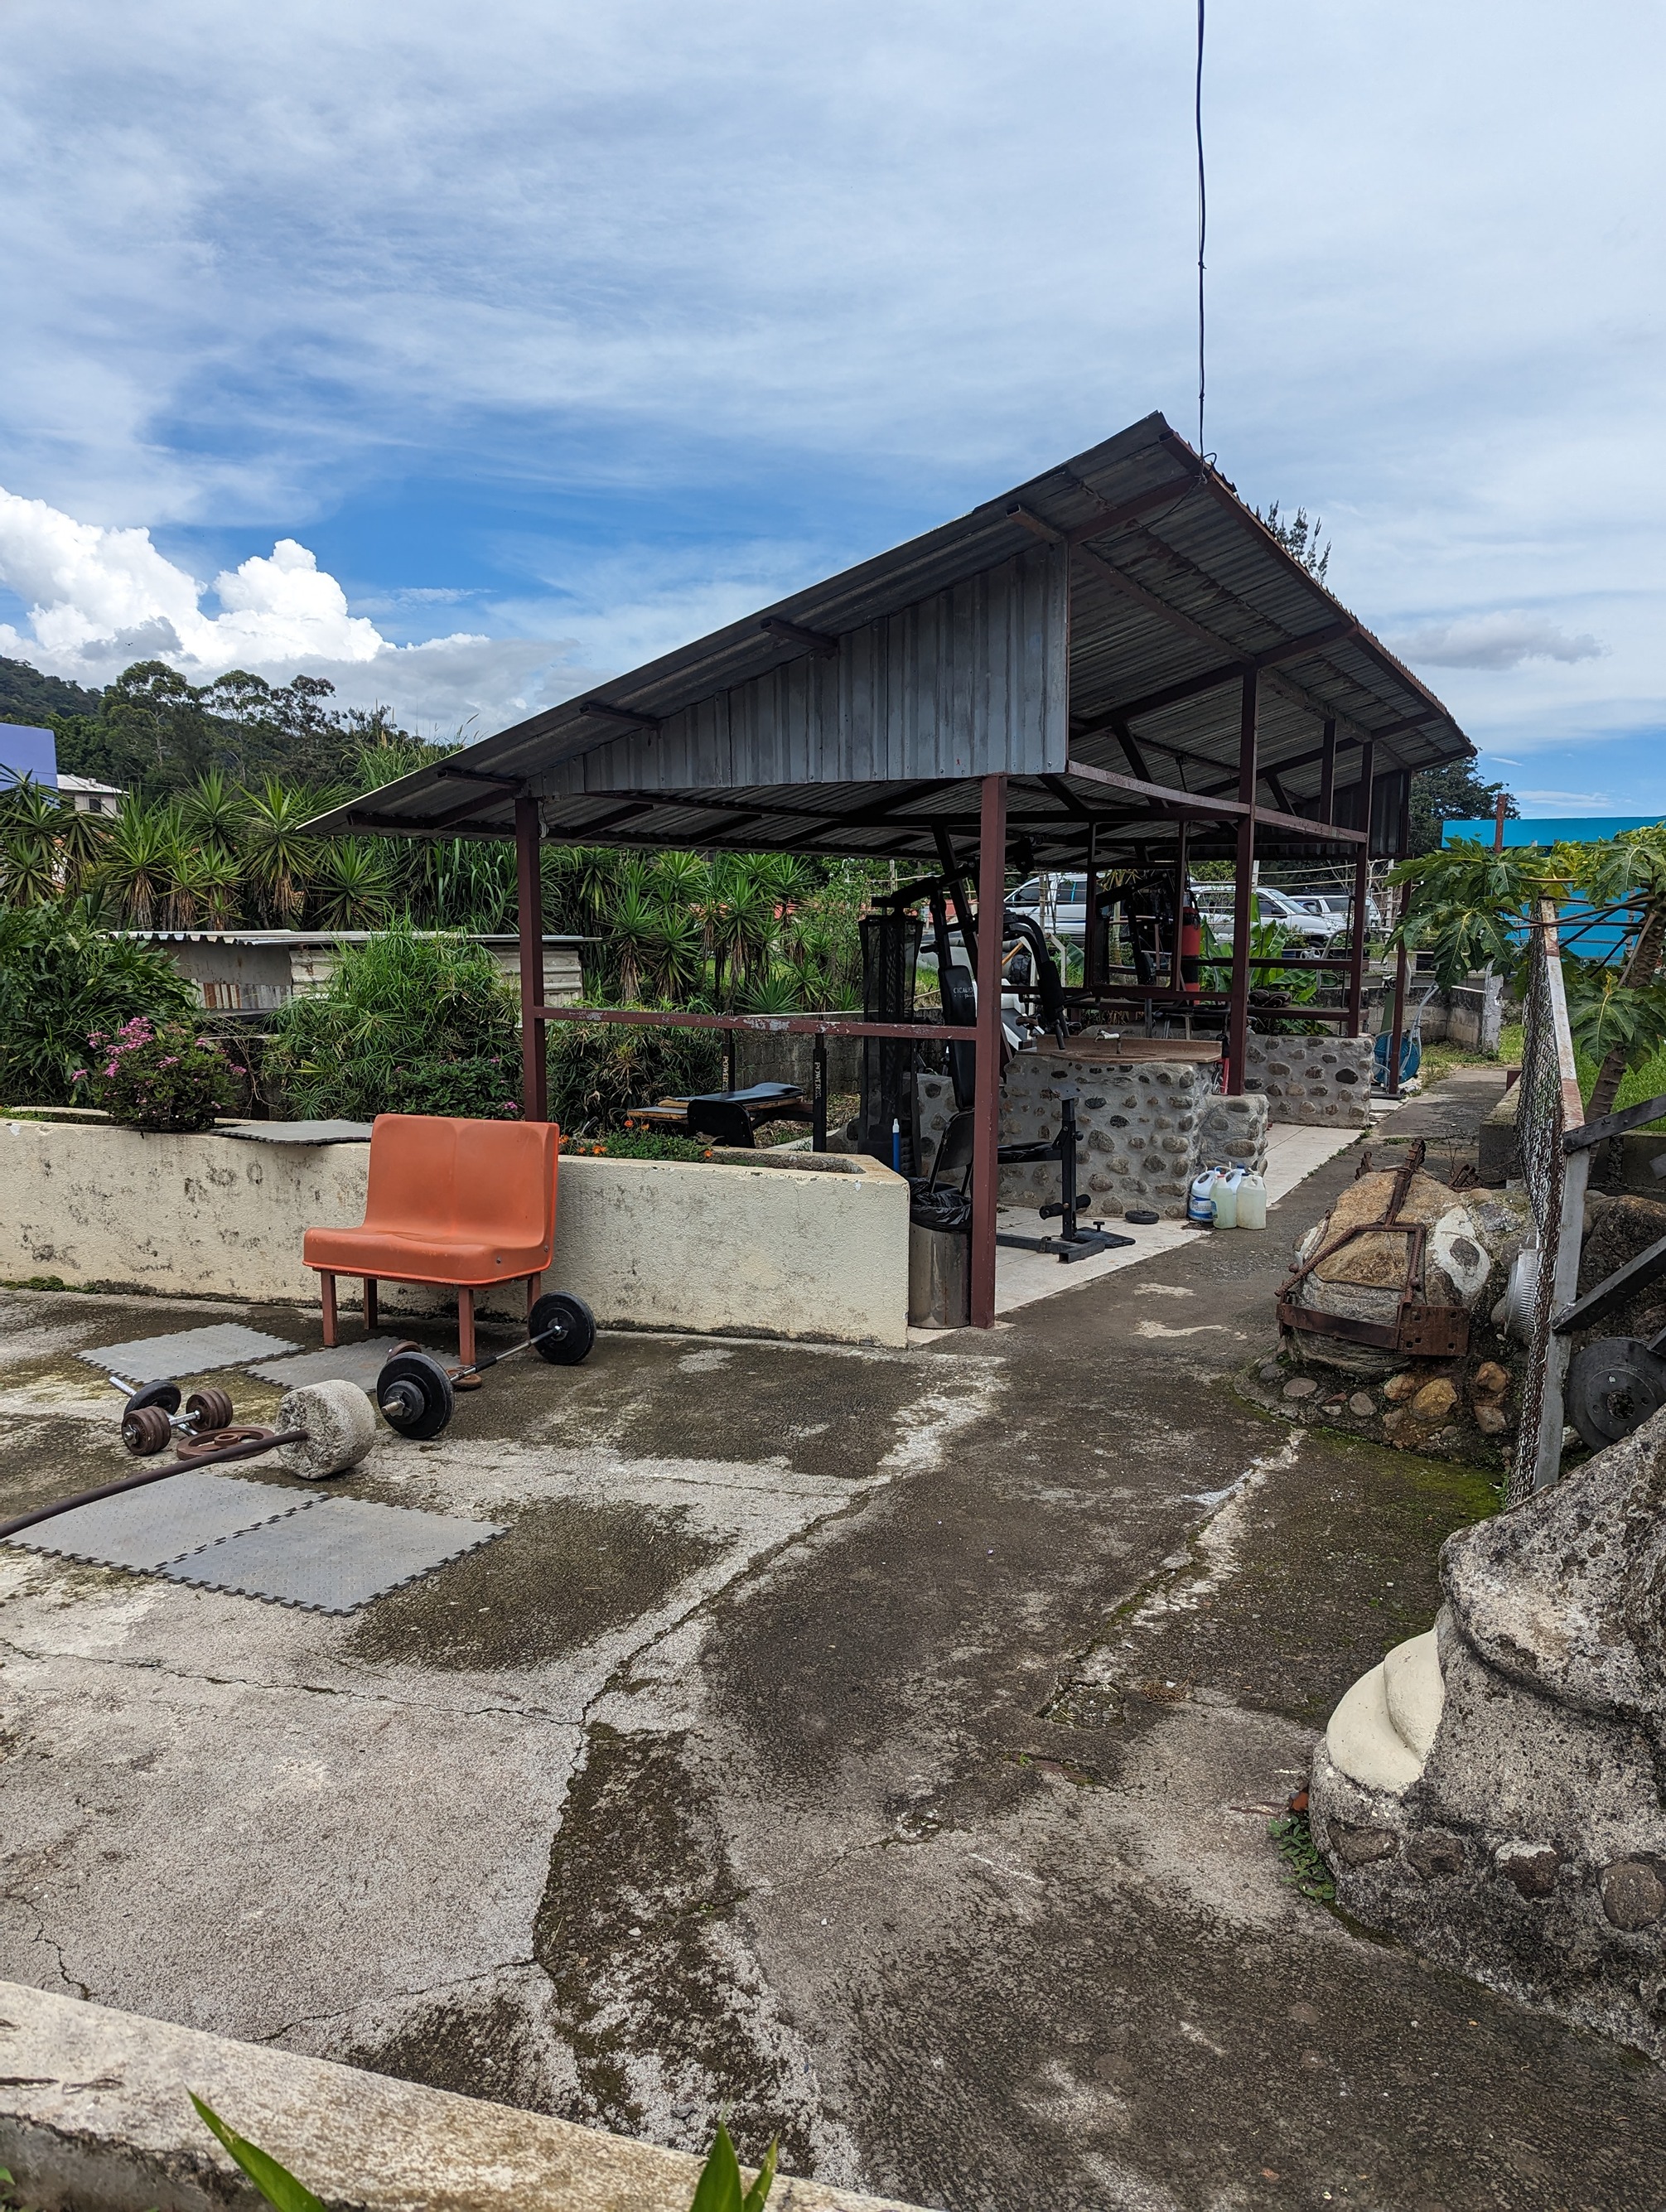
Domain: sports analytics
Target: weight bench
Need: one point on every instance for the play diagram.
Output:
(954, 1156)
(729, 1117)
(466, 1205)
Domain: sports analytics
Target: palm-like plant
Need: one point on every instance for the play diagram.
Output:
(137, 862)
(213, 812)
(280, 861)
(219, 885)
(81, 842)
(30, 825)
(355, 884)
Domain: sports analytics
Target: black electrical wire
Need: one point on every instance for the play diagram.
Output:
(1202, 217)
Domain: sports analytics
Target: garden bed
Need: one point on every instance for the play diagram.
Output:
(785, 1244)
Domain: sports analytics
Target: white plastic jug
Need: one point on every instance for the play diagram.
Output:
(1200, 1204)
(1252, 1203)
(1226, 1197)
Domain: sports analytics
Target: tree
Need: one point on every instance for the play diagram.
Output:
(1453, 792)
(1299, 538)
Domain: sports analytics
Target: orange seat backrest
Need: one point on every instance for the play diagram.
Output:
(484, 1180)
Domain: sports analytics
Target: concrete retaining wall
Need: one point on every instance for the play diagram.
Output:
(816, 1249)
(94, 2118)
(1318, 1082)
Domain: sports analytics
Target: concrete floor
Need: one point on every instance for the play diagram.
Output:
(878, 1745)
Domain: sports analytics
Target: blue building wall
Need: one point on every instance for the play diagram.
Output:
(25, 750)
(1588, 940)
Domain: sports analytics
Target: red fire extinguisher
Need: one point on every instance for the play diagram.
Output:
(1191, 950)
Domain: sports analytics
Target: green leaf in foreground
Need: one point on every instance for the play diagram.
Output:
(276, 2183)
(719, 2186)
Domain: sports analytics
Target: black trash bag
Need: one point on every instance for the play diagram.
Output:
(940, 1205)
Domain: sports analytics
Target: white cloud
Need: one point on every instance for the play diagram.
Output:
(1565, 802)
(98, 599)
(1495, 640)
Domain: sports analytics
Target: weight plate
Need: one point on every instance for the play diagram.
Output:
(567, 1325)
(415, 1395)
(165, 1395)
(210, 1409)
(1613, 1387)
(146, 1428)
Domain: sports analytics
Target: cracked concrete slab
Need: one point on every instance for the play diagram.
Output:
(878, 1746)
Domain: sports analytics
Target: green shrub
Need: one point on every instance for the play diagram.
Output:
(598, 1071)
(634, 1144)
(408, 1025)
(62, 978)
(147, 1077)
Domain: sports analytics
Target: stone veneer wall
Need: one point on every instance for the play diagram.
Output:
(1145, 1128)
(1323, 1082)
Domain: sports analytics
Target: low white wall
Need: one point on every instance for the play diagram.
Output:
(94, 2117)
(770, 1250)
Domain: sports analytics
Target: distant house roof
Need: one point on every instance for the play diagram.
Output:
(91, 786)
(1086, 633)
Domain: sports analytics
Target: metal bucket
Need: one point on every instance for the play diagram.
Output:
(939, 1277)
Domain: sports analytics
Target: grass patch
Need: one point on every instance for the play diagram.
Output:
(1304, 1870)
(1638, 1084)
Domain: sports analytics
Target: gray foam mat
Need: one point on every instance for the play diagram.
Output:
(360, 1363)
(335, 1559)
(187, 1352)
(144, 1530)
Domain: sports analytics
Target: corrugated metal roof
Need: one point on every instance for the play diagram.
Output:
(1104, 612)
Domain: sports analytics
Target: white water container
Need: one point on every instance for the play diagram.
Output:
(1225, 1195)
(1252, 1203)
(1200, 1203)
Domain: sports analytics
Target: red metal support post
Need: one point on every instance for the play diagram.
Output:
(1091, 909)
(1358, 943)
(986, 1125)
(529, 920)
(1327, 771)
(1392, 1085)
(1237, 1019)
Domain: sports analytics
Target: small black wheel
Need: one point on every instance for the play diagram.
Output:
(145, 1429)
(209, 1410)
(415, 1394)
(1614, 1385)
(567, 1325)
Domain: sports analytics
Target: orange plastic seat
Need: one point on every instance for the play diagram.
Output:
(467, 1204)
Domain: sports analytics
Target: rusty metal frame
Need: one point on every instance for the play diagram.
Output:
(1430, 1332)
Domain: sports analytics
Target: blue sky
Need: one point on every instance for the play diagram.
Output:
(540, 337)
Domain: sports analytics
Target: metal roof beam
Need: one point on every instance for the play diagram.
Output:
(791, 633)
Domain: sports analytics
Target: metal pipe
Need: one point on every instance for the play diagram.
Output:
(252, 1449)
(986, 1121)
(529, 920)
(1361, 890)
(762, 1024)
(1243, 891)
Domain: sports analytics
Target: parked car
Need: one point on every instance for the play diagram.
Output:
(1065, 911)
(1308, 932)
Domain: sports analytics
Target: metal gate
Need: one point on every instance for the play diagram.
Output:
(1550, 1107)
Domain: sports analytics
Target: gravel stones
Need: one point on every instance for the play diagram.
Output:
(1435, 1401)
(1362, 1406)
(1303, 1386)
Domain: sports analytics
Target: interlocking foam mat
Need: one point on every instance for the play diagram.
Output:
(335, 1559)
(187, 1352)
(360, 1363)
(144, 1530)
(261, 1540)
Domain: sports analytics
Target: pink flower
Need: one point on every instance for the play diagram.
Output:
(81, 1075)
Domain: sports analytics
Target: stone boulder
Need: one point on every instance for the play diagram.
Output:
(1472, 1237)
(1492, 1792)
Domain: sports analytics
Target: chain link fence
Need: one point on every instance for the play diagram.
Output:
(1550, 1107)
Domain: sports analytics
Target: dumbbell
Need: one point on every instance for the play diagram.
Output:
(151, 1420)
(325, 1429)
